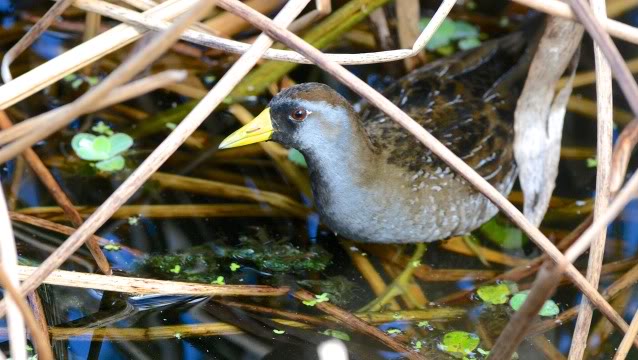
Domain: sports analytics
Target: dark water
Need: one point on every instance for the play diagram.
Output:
(116, 326)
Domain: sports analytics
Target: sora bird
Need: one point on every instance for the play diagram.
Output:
(371, 179)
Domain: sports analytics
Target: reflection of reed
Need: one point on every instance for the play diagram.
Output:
(217, 329)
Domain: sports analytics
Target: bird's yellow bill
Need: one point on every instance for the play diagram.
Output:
(259, 129)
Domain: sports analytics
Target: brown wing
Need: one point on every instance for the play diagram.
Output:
(466, 101)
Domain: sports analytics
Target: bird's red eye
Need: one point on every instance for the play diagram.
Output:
(299, 114)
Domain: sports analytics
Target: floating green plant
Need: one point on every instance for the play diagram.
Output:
(342, 291)
(106, 150)
(497, 294)
(318, 299)
(460, 33)
(459, 343)
(550, 308)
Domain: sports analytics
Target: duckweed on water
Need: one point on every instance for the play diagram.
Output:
(459, 343)
(497, 294)
(549, 308)
(342, 291)
(318, 299)
(105, 148)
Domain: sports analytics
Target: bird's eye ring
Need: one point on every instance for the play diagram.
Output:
(299, 114)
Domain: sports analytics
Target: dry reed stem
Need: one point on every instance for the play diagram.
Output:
(559, 8)
(152, 163)
(168, 211)
(38, 313)
(144, 286)
(625, 281)
(83, 54)
(622, 154)
(137, 62)
(62, 229)
(40, 338)
(625, 344)
(353, 322)
(119, 94)
(123, 34)
(408, 15)
(378, 100)
(227, 24)
(457, 245)
(215, 188)
(9, 267)
(604, 135)
(59, 196)
(232, 46)
(323, 8)
(36, 30)
(368, 271)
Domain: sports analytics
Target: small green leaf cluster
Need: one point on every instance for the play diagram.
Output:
(105, 148)
(452, 35)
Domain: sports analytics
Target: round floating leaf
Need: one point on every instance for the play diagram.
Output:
(469, 43)
(443, 34)
(494, 294)
(518, 299)
(91, 147)
(113, 164)
(464, 30)
(459, 342)
(549, 309)
(120, 142)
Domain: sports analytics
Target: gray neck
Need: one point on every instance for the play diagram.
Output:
(343, 168)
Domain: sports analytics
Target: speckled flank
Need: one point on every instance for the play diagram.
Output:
(374, 182)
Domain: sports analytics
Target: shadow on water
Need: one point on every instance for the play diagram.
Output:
(202, 237)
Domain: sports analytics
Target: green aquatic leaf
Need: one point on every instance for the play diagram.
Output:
(115, 163)
(424, 324)
(503, 234)
(88, 147)
(496, 294)
(219, 281)
(550, 308)
(464, 30)
(393, 331)
(96, 148)
(297, 158)
(102, 129)
(176, 269)
(120, 142)
(279, 332)
(450, 31)
(459, 342)
(592, 162)
(469, 43)
(443, 34)
(337, 334)
(234, 267)
(418, 345)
